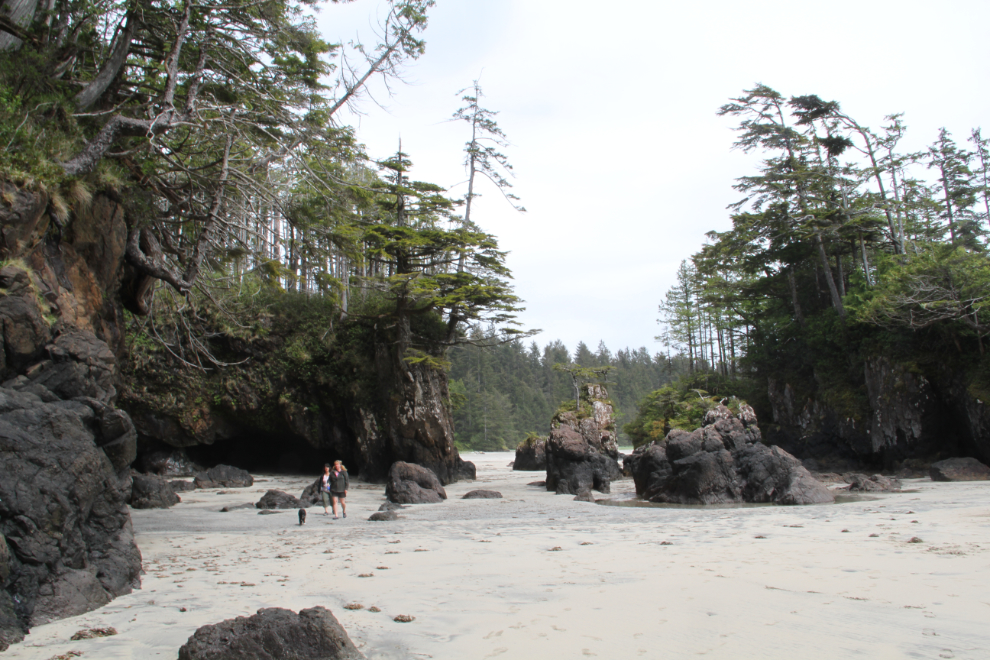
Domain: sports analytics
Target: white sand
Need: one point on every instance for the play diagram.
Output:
(482, 580)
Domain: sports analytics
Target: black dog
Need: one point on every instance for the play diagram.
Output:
(302, 516)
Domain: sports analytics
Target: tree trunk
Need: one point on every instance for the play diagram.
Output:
(833, 291)
(794, 298)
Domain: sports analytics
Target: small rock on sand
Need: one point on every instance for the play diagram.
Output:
(482, 495)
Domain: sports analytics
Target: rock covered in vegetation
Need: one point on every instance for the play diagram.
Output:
(277, 499)
(719, 463)
(482, 495)
(149, 491)
(581, 451)
(224, 476)
(531, 454)
(409, 483)
(959, 469)
(273, 633)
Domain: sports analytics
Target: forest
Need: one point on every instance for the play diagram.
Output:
(843, 247)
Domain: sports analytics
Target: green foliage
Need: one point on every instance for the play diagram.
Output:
(680, 405)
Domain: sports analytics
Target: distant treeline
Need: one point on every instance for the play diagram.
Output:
(502, 393)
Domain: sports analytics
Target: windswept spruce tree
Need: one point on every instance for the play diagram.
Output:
(842, 247)
(216, 126)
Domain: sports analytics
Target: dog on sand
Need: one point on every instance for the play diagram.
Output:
(302, 516)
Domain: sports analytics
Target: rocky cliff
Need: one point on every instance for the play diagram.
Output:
(903, 413)
(65, 449)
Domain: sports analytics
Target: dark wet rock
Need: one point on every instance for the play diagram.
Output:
(876, 483)
(311, 493)
(268, 512)
(581, 452)
(584, 496)
(466, 470)
(11, 628)
(537, 483)
(959, 469)
(64, 513)
(273, 634)
(181, 486)
(482, 495)
(719, 463)
(149, 491)
(531, 454)
(409, 483)
(277, 499)
(224, 476)
(235, 507)
(174, 463)
(391, 506)
(384, 516)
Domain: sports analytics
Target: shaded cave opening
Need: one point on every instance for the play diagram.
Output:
(256, 453)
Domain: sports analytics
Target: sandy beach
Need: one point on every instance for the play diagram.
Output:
(535, 575)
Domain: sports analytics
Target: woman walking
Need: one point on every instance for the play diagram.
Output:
(325, 490)
(338, 485)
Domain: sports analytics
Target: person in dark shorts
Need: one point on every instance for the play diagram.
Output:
(338, 484)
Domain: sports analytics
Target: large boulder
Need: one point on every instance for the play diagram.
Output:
(277, 499)
(409, 483)
(581, 451)
(174, 463)
(720, 463)
(62, 510)
(149, 491)
(959, 469)
(531, 454)
(224, 476)
(273, 634)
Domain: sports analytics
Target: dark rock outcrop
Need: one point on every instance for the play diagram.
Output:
(466, 470)
(383, 516)
(149, 491)
(876, 483)
(482, 495)
(182, 486)
(531, 454)
(277, 499)
(224, 476)
(908, 414)
(62, 510)
(11, 628)
(273, 634)
(413, 484)
(311, 493)
(581, 452)
(174, 463)
(720, 463)
(959, 469)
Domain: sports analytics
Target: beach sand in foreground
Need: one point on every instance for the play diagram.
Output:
(535, 575)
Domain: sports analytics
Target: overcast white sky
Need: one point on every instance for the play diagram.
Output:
(619, 156)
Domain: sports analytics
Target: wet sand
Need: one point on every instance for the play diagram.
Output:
(535, 575)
